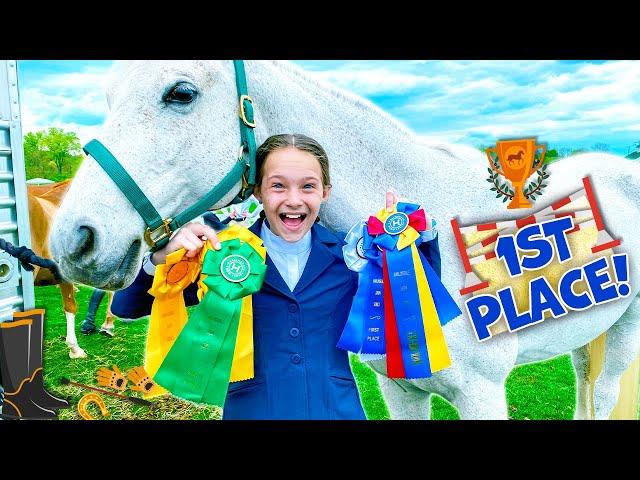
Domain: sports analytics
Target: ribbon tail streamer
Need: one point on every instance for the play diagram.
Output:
(445, 304)
(408, 314)
(395, 367)
(242, 366)
(436, 343)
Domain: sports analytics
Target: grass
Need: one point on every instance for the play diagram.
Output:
(124, 350)
(538, 391)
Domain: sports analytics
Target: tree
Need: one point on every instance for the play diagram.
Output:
(32, 151)
(564, 151)
(600, 147)
(633, 152)
(53, 154)
(551, 156)
(635, 148)
(62, 146)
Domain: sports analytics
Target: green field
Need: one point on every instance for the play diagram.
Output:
(544, 390)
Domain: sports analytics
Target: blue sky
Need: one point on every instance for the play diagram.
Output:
(567, 104)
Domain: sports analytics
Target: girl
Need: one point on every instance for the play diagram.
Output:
(303, 305)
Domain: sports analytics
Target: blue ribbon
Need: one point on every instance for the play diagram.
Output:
(364, 330)
(446, 306)
(406, 303)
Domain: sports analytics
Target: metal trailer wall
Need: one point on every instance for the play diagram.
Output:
(16, 284)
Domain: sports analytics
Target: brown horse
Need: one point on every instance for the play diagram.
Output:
(44, 201)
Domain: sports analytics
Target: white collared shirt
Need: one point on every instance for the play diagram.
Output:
(290, 258)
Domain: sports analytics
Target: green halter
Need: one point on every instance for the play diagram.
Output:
(159, 230)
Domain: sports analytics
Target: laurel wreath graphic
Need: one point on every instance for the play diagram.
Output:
(503, 188)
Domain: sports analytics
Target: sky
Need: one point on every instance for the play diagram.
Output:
(567, 104)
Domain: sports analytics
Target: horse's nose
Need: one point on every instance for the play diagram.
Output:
(82, 242)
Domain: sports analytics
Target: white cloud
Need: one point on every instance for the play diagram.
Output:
(475, 86)
(629, 128)
(32, 123)
(74, 101)
(376, 81)
(557, 101)
(555, 81)
(90, 78)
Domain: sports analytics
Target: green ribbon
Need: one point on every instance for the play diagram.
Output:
(198, 366)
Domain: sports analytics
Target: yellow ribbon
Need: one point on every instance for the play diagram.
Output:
(169, 313)
(436, 344)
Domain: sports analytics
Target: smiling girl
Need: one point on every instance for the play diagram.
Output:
(304, 302)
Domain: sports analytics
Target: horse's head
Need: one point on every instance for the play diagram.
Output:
(173, 126)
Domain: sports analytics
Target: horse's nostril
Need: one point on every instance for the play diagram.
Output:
(82, 242)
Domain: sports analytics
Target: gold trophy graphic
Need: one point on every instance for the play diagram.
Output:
(516, 161)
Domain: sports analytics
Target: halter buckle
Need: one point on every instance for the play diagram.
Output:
(245, 185)
(152, 237)
(243, 114)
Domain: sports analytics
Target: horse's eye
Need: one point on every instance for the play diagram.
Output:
(181, 93)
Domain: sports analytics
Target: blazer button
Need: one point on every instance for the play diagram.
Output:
(294, 332)
(293, 308)
(296, 358)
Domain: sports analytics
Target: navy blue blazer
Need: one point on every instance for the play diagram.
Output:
(299, 371)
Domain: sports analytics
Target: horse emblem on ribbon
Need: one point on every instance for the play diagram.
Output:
(235, 268)
(396, 223)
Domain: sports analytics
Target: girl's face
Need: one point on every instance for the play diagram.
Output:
(291, 192)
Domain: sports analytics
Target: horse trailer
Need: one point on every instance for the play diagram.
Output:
(16, 283)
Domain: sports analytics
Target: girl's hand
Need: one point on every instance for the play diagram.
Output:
(190, 237)
(392, 199)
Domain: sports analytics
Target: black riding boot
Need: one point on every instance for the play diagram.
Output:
(39, 395)
(89, 324)
(14, 365)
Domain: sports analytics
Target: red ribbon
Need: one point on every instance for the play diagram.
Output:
(375, 226)
(395, 367)
(418, 220)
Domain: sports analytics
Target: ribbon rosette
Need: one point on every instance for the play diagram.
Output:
(401, 304)
(168, 312)
(216, 344)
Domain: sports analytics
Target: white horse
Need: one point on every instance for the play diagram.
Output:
(177, 151)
